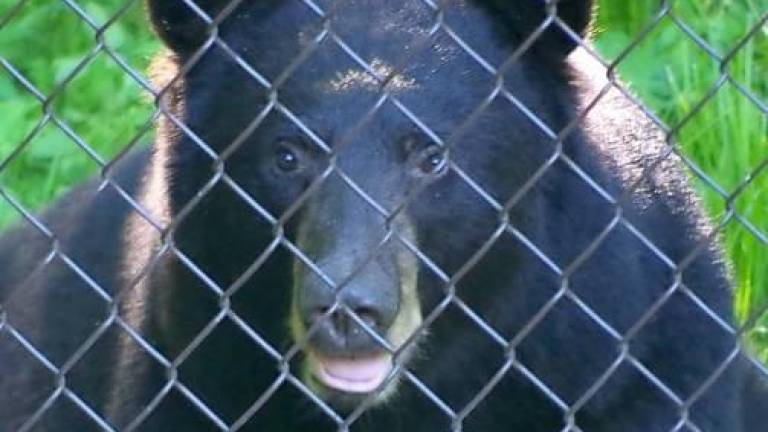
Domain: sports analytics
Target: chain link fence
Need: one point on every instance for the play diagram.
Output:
(64, 371)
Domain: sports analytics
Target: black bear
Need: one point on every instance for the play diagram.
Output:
(375, 215)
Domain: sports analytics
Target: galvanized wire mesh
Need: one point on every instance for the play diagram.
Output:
(283, 358)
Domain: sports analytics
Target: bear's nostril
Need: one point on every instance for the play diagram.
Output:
(342, 322)
(368, 316)
(341, 319)
(317, 315)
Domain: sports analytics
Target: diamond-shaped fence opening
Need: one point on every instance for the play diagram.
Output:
(138, 302)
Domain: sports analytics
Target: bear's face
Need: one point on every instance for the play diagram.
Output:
(384, 146)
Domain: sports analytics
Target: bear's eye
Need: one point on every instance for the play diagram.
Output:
(287, 159)
(432, 161)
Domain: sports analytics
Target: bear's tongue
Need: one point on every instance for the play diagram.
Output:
(354, 375)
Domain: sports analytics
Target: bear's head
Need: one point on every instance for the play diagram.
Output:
(383, 145)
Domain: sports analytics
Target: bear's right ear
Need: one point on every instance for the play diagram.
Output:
(180, 25)
(523, 17)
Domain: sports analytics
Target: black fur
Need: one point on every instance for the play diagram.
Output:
(596, 265)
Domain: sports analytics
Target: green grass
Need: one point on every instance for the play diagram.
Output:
(101, 103)
(726, 137)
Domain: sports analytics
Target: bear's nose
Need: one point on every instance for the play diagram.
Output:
(339, 332)
(342, 320)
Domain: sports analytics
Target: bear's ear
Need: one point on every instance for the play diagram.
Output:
(181, 24)
(525, 16)
(576, 14)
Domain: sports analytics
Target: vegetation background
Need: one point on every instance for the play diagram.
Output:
(701, 66)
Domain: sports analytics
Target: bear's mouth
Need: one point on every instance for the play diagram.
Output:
(352, 375)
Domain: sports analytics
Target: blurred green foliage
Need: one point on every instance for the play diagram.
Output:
(59, 53)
